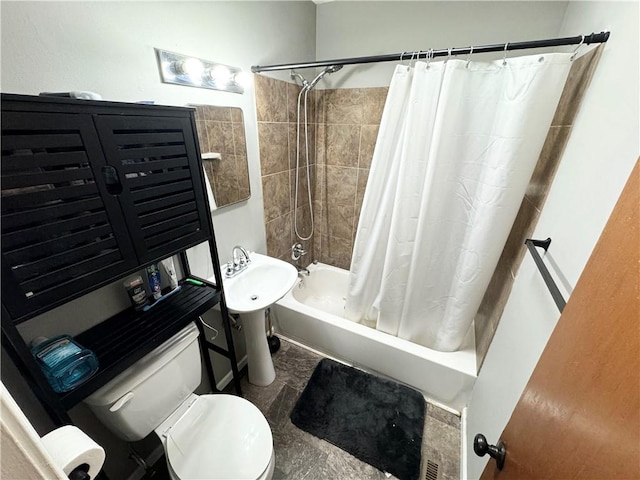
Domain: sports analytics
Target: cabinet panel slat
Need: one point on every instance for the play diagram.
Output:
(56, 245)
(39, 159)
(69, 257)
(151, 165)
(45, 178)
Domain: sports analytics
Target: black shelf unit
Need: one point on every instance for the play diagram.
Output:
(94, 192)
(125, 338)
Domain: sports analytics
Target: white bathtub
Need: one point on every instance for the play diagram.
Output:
(311, 313)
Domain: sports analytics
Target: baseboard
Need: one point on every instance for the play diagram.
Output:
(226, 380)
(463, 444)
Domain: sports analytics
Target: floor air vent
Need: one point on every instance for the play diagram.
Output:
(432, 471)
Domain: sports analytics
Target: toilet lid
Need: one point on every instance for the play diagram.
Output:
(220, 437)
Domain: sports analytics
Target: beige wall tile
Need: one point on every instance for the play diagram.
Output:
(239, 139)
(374, 99)
(343, 143)
(368, 138)
(340, 220)
(278, 235)
(344, 105)
(220, 137)
(336, 251)
(320, 103)
(276, 194)
(244, 189)
(361, 184)
(579, 78)
(273, 139)
(292, 102)
(236, 115)
(271, 99)
(491, 308)
(217, 114)
(547, 165)
(203, 137)
(293, 136)
(341, 185)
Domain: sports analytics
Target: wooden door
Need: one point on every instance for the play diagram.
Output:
(579, 416)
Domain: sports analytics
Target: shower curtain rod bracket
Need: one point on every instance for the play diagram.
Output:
(601, 37)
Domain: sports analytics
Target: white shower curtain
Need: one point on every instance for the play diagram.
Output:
(457, 145)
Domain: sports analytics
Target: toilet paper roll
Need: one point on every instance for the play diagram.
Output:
(70, 447)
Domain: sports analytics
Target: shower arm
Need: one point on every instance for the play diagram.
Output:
(601, 37)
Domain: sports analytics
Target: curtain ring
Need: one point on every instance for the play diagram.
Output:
(448, 54)
(469, 56)
(401, 56)
(412, 60)
(575, 52)
(429, 57)
(504, 56)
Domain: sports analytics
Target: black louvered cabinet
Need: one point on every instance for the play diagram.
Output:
(92, 192)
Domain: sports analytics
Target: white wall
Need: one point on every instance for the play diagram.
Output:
(352, 29)
(107, 47)
(598, 159)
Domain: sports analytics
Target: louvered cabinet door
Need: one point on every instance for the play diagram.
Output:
(62, 232)
(162, 193)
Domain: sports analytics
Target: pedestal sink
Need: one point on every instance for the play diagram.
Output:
(262, 283)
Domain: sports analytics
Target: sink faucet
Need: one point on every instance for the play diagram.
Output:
(239, 261)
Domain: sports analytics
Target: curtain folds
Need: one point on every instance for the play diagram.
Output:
(456, 148)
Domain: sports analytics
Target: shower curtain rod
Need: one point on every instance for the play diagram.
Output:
(390, 57)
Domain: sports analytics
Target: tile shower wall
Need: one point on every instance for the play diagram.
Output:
(346, 125)
(348, 121)
(495, 298)
(276, 103)
(343, 126)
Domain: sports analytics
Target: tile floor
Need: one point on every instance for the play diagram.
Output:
(301, 456)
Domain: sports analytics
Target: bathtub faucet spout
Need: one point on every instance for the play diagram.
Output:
(303, 272)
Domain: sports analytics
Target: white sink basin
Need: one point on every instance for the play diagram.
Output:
(265, 281)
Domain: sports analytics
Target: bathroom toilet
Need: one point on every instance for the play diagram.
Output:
(204, 436)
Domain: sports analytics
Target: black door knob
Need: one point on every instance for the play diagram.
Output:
(497, 452)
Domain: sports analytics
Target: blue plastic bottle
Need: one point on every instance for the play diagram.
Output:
(65, 363)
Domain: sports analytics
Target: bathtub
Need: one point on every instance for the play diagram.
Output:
(311, 313)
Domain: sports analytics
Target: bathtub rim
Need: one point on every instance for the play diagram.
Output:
(463, 360)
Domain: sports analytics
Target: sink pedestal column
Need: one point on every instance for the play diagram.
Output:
(261, 371)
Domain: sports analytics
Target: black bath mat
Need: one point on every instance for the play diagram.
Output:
(378, 421)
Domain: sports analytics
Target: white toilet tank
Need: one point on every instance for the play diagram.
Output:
(139, 399)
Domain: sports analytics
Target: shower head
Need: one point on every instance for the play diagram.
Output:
(302, 80)
(329, 69)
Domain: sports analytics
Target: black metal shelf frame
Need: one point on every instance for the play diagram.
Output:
(548, 280)
(126, 337)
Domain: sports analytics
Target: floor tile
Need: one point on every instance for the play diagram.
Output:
(301, 456)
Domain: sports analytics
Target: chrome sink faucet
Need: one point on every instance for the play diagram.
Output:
(239, 261)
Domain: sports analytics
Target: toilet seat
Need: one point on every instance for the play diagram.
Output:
(219, 437)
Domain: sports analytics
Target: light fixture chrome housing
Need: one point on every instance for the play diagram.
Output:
(180, 69)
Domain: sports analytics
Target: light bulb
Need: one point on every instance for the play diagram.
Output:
(220, 75)
(242, 79)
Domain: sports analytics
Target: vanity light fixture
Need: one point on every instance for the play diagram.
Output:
(195, 72)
